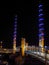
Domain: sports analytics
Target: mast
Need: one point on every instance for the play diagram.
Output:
(41, 26)
(15, 34)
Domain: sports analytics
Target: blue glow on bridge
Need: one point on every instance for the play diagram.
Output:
(41, 19)
(40, 15)
(40, 5)
(41, 24)
(41, 29)
(41, 34)
(40, 10)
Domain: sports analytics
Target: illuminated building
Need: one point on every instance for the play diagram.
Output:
(23, 46)
(41, 27)
(14, 36)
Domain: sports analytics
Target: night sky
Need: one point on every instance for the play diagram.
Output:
(27, 24)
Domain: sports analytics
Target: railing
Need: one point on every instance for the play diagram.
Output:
(37, 52)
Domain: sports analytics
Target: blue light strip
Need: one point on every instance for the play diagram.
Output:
(40, 15)
(15, 27)
(40, 19)
(40, 35)
(41, 29)
(40, 10)
(40, 5)
(41, 24)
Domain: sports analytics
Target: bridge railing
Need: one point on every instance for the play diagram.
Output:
(38, 51)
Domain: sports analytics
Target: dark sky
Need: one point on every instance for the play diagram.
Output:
(27, 12)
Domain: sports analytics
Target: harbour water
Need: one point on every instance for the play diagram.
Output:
(17, 59)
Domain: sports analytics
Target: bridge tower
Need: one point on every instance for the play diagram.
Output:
(41, 27)
(14, 34)
(23, 46)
